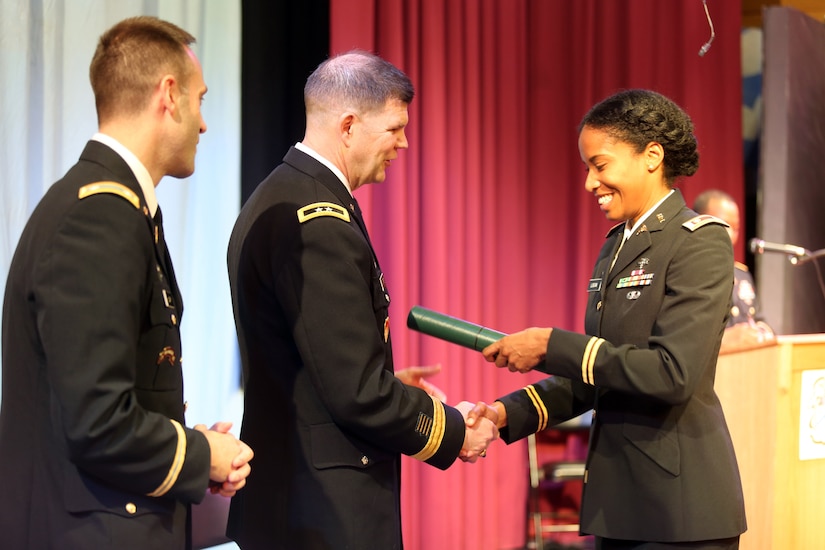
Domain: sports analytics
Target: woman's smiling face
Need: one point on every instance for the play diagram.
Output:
(626, 183)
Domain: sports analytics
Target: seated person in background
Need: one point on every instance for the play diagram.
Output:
(746, 326)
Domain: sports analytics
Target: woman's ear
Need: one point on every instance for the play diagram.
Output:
(654, 156)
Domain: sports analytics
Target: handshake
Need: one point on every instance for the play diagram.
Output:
(481, 429)
(481, 420)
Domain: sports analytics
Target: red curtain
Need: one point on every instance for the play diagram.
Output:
(485, 217)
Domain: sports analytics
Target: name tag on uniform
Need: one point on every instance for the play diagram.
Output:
(595, 285)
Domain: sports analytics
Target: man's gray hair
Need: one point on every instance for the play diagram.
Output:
(356, 80)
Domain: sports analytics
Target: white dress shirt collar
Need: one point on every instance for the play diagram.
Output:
(314, 154)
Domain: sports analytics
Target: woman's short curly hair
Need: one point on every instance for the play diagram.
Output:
(639, 117)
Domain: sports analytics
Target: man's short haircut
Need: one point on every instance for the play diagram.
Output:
(129, 59)
(356, 80)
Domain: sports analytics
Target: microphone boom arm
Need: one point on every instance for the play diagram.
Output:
(808, 256)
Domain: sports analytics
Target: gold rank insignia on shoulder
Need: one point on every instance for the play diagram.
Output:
(110, 187)
(318, 209)
(700, 221)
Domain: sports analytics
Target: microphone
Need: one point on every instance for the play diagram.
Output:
(706, 46)
(758, 246)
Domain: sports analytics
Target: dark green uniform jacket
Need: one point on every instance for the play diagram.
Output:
(661, 465)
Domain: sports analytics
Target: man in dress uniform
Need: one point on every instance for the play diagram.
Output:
(323, 409)
(746, 325)
(92, 437)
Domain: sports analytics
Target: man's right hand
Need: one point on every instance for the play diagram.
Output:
(480, 429)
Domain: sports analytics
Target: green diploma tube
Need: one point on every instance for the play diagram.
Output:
(451, 329)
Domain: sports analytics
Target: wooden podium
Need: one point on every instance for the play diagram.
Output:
(761, 392)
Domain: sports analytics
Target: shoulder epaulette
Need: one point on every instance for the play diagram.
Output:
(317, 209)
(701, 220)
(111, 187)
(614, 228)
(740, 265)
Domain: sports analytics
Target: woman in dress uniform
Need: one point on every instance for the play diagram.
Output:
(661, 470)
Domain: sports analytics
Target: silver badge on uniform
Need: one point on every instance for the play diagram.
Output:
(167, 299)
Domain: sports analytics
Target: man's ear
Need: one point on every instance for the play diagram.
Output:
(170, 95)
(345, 125)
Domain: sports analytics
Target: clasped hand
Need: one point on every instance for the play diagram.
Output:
(480, 429)
(229, 459)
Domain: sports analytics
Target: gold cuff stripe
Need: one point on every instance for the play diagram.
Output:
(437, 434)
(177, 462)
(318, 209)
(585, 355)
(589, 359)
(109, 187)
(541, 410)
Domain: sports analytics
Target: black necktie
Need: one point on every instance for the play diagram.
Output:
(166, 261)
(160, 240)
